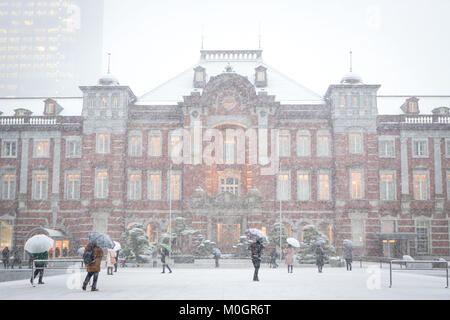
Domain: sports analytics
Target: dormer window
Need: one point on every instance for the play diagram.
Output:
(104, 102)
(22, 113)
(199, 77)
(51, 108)
(261, 77)
(411, 106)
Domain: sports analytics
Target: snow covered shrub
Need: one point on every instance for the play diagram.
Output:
(311, 238)
(135, 243)
(274, 234)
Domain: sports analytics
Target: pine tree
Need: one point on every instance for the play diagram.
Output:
(136, 243)
(311, 238)
(274, 234)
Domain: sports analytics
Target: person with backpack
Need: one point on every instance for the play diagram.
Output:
(256, 251)
(92, 258)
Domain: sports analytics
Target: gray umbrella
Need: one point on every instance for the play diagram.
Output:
(101, 240)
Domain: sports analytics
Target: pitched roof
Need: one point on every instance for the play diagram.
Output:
(243, 62)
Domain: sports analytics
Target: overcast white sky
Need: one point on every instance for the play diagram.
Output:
(403, 44)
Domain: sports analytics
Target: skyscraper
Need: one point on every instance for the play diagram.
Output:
(49, 47)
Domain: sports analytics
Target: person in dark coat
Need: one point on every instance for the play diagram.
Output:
(348, 256)
(319, 258)
(93, 269)
(155, 258)
(64, 252)
(164, 253)
(17, 260)
(117, 260)
(216, 255)
(5, 257)
(273, 259)
(39, 266)
(256, 251)
(57, 253)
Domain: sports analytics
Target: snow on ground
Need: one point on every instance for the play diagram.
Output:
(236, 284)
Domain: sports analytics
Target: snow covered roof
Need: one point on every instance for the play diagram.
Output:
(71, 106)
(54, 233)
(242, 62)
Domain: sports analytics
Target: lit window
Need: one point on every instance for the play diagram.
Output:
(324, 187)
(230, 149)
(73, 185)
(73, 148)
(303, 187)
(323, 145)
(103, 141)
(283, 187)
(420, 186)
(342, 101)
(116, 102)
(135, 146)
(101, 184)
(6, 233)
(355, 140)
(420, 148)
(303, 145)
(154, 144)
(386, 148)
(40, 186)
(154, 186)
(134, 186)
(387, 186)
(8, 187)
(9, 149)
(41, 149)
(176, 145)
(175, 186)
(357, 192)
(104, 102)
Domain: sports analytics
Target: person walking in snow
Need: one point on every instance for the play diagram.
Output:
(93, 269)
(256, 251)
(117, 260)
(16, 259)
(164, 253)
(273, 259)
(39, 266)
(5, 257)
(289, 258)
(155, 258)
(348, 256)
(110, 261)
(319, 258)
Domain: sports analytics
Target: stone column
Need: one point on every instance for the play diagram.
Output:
(438, 168)
(24, 167)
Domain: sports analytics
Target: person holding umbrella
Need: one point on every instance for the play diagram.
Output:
(117, 248)
(216, 254)
(348, 254)
(165, 250)
(319, 257)
(93, 255)
(289, 258)
(39, 266)
(37, 247)
(273, 258)
(256, 250)
(5, 257)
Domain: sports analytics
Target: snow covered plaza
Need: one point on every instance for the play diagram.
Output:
(234, 283)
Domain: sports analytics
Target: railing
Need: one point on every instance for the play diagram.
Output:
(427, 119)
(408, 262)
(33, 121)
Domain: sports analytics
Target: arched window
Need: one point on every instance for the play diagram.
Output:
(153, 231)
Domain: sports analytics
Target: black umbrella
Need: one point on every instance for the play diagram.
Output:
(101, 240)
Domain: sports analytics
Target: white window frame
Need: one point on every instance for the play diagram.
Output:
(12, 186)
(151, 134)
(69, 141)
(394, 185)
(43, 194)
(287, 195)
(105, 147)
(383, 152)
(423, 223)
(306, 148)
(175, 151)
(35, 149)
(169, 186)
(157, 196)
(76, 192)
(319, 181)
(323, 134)
(358, 149)
(99, 184)
(358, 236)
(284, 149)
(4, 153)
(135, 148)
(134, 188)
(427, 183)
(362, 189)
(414, 150)
(447, 148)
(303, 196)
(10, 223)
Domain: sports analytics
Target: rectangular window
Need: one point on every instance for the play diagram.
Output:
(358, 232)
(176, 145)
(303, 145)
(420, 148)
(303, 186)
(154, 144)
(154, 188)
(387, 186)
(41, 149)
(6, 233)
(420, 183)
(103, 143)
(447, 148)
(40, 186)
(342, 100)
(9, 149)
(422, 231)
(8, 186)
(324, 186)
(284, 144)
(73, 148)
(355, 143)
(134, 186)
(135, 146)
(323, 146)
(386, 148)
(283, 186)
(101, 184)
(356, 185)
(229, 184)
(448, 185)
(175, 186)
(73, 186)
(230, 150)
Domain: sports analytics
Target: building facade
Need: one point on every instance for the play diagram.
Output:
(230, 144)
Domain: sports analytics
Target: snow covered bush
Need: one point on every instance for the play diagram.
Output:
(135, 243)
(311, 238)
(274, 234)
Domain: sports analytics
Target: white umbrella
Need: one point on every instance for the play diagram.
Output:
(256, 234)
(117, 246)
(348, 244)
(80, 251)
(293, 242)
(39, 243)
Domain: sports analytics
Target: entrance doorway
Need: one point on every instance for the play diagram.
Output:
(228, 236)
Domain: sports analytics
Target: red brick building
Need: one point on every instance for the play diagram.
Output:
(229, 144)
